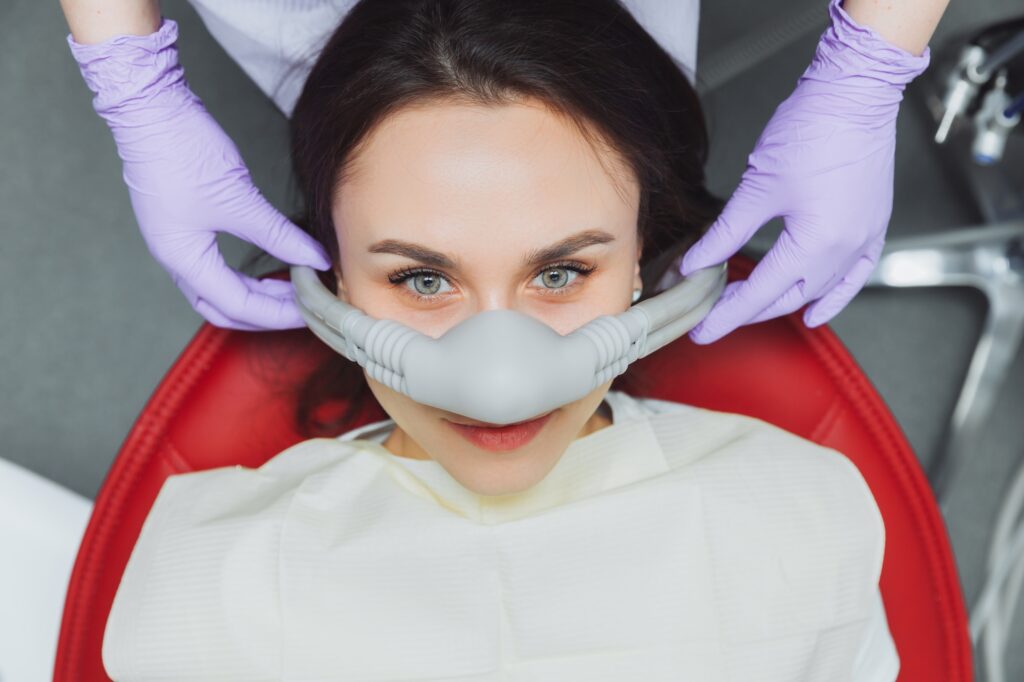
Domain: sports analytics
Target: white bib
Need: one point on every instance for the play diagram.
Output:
(676, 544)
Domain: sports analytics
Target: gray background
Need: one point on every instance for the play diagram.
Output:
(91, 322)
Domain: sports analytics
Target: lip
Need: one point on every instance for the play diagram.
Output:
(501, 438)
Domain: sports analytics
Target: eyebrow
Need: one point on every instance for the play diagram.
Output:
(561, 249)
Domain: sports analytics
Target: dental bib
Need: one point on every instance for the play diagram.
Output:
(676, 544)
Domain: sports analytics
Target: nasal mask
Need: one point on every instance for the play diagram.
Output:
(504, 366)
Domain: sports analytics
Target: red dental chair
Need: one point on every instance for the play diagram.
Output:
(216, 408)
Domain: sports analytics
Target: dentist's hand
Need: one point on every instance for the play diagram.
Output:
(825, 164)
(187, 180)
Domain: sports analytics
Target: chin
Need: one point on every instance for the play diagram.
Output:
(501, 473)
(489, 487)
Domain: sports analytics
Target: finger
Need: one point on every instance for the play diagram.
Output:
(790, 300)
(772, 277)
(238, 297)
(830, 305)
(742, 216)
(214, 317)
(209, 313)
(697, 334)
(278, 288)
(269, 229)
(793, 299)
(285, 313)
(283, 290)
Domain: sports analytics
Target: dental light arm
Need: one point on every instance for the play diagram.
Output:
(503, 366)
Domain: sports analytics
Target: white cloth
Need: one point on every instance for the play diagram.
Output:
(41, 526)
(276, 41)
(676, 544)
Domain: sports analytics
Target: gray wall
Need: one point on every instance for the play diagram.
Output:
(91, 322)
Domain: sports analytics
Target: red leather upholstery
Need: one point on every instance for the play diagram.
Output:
(219, 405)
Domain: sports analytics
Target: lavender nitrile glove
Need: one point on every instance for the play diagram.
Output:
(825, 164)
(187, 181)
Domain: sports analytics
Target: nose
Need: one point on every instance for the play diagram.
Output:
(490, 301)
(496, 299)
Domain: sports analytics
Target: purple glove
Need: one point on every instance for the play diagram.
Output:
(187, 180)
(825, 164)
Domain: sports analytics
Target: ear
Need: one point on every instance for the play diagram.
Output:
(638, 282)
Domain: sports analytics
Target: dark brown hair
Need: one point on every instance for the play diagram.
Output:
(588, 60)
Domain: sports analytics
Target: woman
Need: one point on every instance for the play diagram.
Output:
(443, 148)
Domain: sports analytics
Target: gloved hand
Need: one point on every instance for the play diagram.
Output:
(825, 164)
(186, 180)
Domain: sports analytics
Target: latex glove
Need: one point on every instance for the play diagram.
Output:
(825, 164)
(186, 180)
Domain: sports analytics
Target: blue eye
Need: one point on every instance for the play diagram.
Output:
(430, 281)
(426, 283)
(561, 276)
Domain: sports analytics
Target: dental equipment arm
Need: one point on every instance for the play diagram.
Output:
(503, 366)
(824, 163)
(185, 177)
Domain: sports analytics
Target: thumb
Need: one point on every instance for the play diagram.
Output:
(269, 229)
(745, 213)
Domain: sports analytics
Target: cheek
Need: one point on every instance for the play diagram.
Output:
(608, 296)
(408, 414)
(390, 400)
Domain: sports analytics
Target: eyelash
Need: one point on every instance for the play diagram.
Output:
(399, 277)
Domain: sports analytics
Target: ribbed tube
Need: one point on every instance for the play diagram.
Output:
(384, 343)
(614, 344)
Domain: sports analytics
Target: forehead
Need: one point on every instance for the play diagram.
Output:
(447, 171)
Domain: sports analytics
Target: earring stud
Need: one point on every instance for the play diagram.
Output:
(636, 294)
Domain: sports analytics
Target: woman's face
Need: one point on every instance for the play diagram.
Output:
(450, 209)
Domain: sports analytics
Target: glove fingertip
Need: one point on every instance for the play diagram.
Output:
(716, 246)
(286, 241)
(318, 259)
(288, 316)
(692, 262)
(814, 316)
(702, 336)
(709, 330)
(698, 338)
